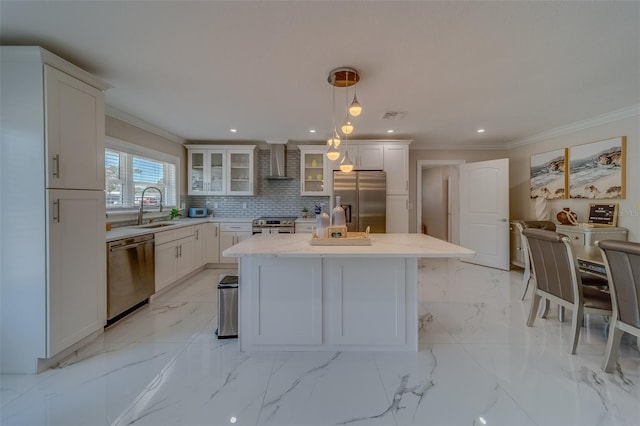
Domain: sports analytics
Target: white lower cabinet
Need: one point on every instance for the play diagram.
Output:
(230, 234)
(77, 268)
(397, 214)
(277, 321)
(366, 303)
(210, 243)
(174, 255)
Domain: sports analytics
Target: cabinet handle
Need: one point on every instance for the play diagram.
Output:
(56, 166)
(406, 185)
(216, 231)
(197, 234)
(177, 252)
(180, 246)
(406, 202)
(56, 211)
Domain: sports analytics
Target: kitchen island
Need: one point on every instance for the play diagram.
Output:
(295, 296)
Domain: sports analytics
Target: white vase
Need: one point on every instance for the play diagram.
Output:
(337, 215)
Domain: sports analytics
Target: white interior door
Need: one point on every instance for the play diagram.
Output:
(484, 212)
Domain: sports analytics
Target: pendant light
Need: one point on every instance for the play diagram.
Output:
(333, 153)
(355, 108)
(346, 165)
(344, 77)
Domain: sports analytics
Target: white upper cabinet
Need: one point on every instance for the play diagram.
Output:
(74, 132)
(396, 164)
(364, 155)
(368, 157)
(315, 174)
(221, 169)
(207, 172)
(241, 172)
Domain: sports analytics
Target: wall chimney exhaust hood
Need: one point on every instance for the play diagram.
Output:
(278, 160)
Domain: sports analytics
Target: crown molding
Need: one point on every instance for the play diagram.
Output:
(135, 121)
(454, 147)
(577, 126)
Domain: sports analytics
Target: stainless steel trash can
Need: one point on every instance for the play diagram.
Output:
(228, 307)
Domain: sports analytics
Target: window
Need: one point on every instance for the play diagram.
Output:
(129, 169)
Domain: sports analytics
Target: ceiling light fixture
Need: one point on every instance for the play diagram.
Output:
(390, 131)
(233, 130)
(480, 130)
(312, 130)
(343, 77)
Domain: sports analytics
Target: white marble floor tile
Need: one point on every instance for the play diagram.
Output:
(325, 388)
(93, 387)
(556, 388)
(204, 386)
(163, 321)
(442, 385)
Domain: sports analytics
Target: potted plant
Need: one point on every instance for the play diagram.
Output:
(305, 212)
(174, 213)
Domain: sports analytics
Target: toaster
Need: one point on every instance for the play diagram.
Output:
(197, 212)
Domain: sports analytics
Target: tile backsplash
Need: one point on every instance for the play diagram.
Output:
(273, 197)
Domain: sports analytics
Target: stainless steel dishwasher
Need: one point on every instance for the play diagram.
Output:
(130, 274)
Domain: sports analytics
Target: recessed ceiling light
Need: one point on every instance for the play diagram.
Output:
(390, 131)
(480, 130)
(312, 130)
(233, 130)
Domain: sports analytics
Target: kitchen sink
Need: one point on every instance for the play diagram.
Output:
(155, 225)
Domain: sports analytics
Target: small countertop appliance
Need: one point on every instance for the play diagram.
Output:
(197, 212)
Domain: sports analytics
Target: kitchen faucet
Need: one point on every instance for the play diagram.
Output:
(141, 211)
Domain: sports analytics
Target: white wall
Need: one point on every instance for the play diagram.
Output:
(523, 207)
(434, 201)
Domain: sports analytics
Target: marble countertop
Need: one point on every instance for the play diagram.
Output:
(133, 231)
(382, 245)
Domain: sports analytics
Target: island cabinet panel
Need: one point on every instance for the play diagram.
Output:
(366, 301)
(286, 308)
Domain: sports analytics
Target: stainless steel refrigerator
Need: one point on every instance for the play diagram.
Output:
(364, 198)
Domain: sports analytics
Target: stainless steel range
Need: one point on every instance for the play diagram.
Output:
(274, 225)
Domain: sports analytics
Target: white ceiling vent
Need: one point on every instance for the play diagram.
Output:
(393, 115)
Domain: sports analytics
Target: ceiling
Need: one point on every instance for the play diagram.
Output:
(197, 69)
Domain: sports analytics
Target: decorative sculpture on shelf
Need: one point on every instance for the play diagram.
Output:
(567, 217)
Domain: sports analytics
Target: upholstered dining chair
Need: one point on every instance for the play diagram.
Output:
(622, 261)
(526, 224)
(557, 279)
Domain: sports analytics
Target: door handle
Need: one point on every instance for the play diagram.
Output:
(503, 219)
(56, 211)
(56, 166)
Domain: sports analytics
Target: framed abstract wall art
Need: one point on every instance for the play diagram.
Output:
(548, 178)
(597, 169)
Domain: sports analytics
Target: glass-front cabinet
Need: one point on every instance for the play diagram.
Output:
(220, 170)
(315, 176)
(240, 180)
(206, 172)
